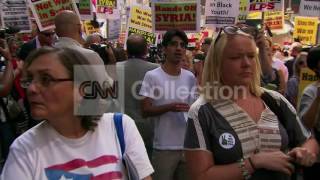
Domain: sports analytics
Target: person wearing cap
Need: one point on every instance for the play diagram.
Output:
(309, 109)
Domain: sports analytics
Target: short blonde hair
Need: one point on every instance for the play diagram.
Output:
(212, 68)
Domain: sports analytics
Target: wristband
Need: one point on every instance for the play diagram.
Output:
(244, 171)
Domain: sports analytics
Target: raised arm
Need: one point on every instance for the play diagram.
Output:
(6, 79)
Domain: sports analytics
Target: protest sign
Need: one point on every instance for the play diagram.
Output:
(85, 9)
(149, 36)
(15, 14)
(113, 28)
(243, 11)
(220, 13)
(140, 22)
(309, 8)
(265, 5)
(306, 29)
(89, 29)
(307, 77)
(46, 10)
(105, 6)
(176, 15)
(140, 18)
(274, 19)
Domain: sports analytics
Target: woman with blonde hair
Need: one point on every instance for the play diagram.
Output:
(236, 129)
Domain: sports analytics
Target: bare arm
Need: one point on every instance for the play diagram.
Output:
(148, 109)
(206, 170)
(309, 118)
(111, 56)
(147, 178)
(312, 145)
(282, 86)
(306, 155)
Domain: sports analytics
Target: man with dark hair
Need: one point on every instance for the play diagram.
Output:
(43, 38)
(168, 91)
(130, 73)
(309, 108)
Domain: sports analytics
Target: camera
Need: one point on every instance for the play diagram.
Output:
(4, 32)
(101, 50)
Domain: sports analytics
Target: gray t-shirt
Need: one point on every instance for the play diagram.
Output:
(130, 74)
(169, 128)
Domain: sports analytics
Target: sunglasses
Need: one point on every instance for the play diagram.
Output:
(232, 30)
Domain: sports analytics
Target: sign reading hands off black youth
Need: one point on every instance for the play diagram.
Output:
(220, 13)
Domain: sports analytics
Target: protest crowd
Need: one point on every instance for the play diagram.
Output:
(163, 90)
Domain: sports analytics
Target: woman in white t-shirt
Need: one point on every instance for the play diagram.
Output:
(74, 140)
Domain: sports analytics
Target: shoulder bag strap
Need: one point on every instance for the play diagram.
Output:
(117, 117)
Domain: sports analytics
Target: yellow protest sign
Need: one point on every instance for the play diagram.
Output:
(243, 10)
(254, 15)
(306, 29)
(307, 76)
(89, 29)
(140, 18)
(274, 19)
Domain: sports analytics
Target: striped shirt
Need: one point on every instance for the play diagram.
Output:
(225, 130)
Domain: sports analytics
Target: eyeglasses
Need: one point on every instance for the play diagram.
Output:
(232, 30)
(176, 44)
(43, 81)
(48, 34)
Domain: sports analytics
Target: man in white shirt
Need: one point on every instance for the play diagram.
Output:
(168, 93)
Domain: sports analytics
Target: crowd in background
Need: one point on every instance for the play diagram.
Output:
(166, 129)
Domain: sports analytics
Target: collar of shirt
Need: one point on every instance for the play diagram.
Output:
(38, 45)
(68, 41)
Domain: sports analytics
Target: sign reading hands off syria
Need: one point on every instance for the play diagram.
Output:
(176, 15)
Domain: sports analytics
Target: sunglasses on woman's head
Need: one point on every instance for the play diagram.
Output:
(232, 30)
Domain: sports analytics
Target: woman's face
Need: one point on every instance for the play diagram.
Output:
(51, 99)
(239, 61)
(185, 63)
(13, 46)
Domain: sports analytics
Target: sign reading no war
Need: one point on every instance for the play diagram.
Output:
(46, 10)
